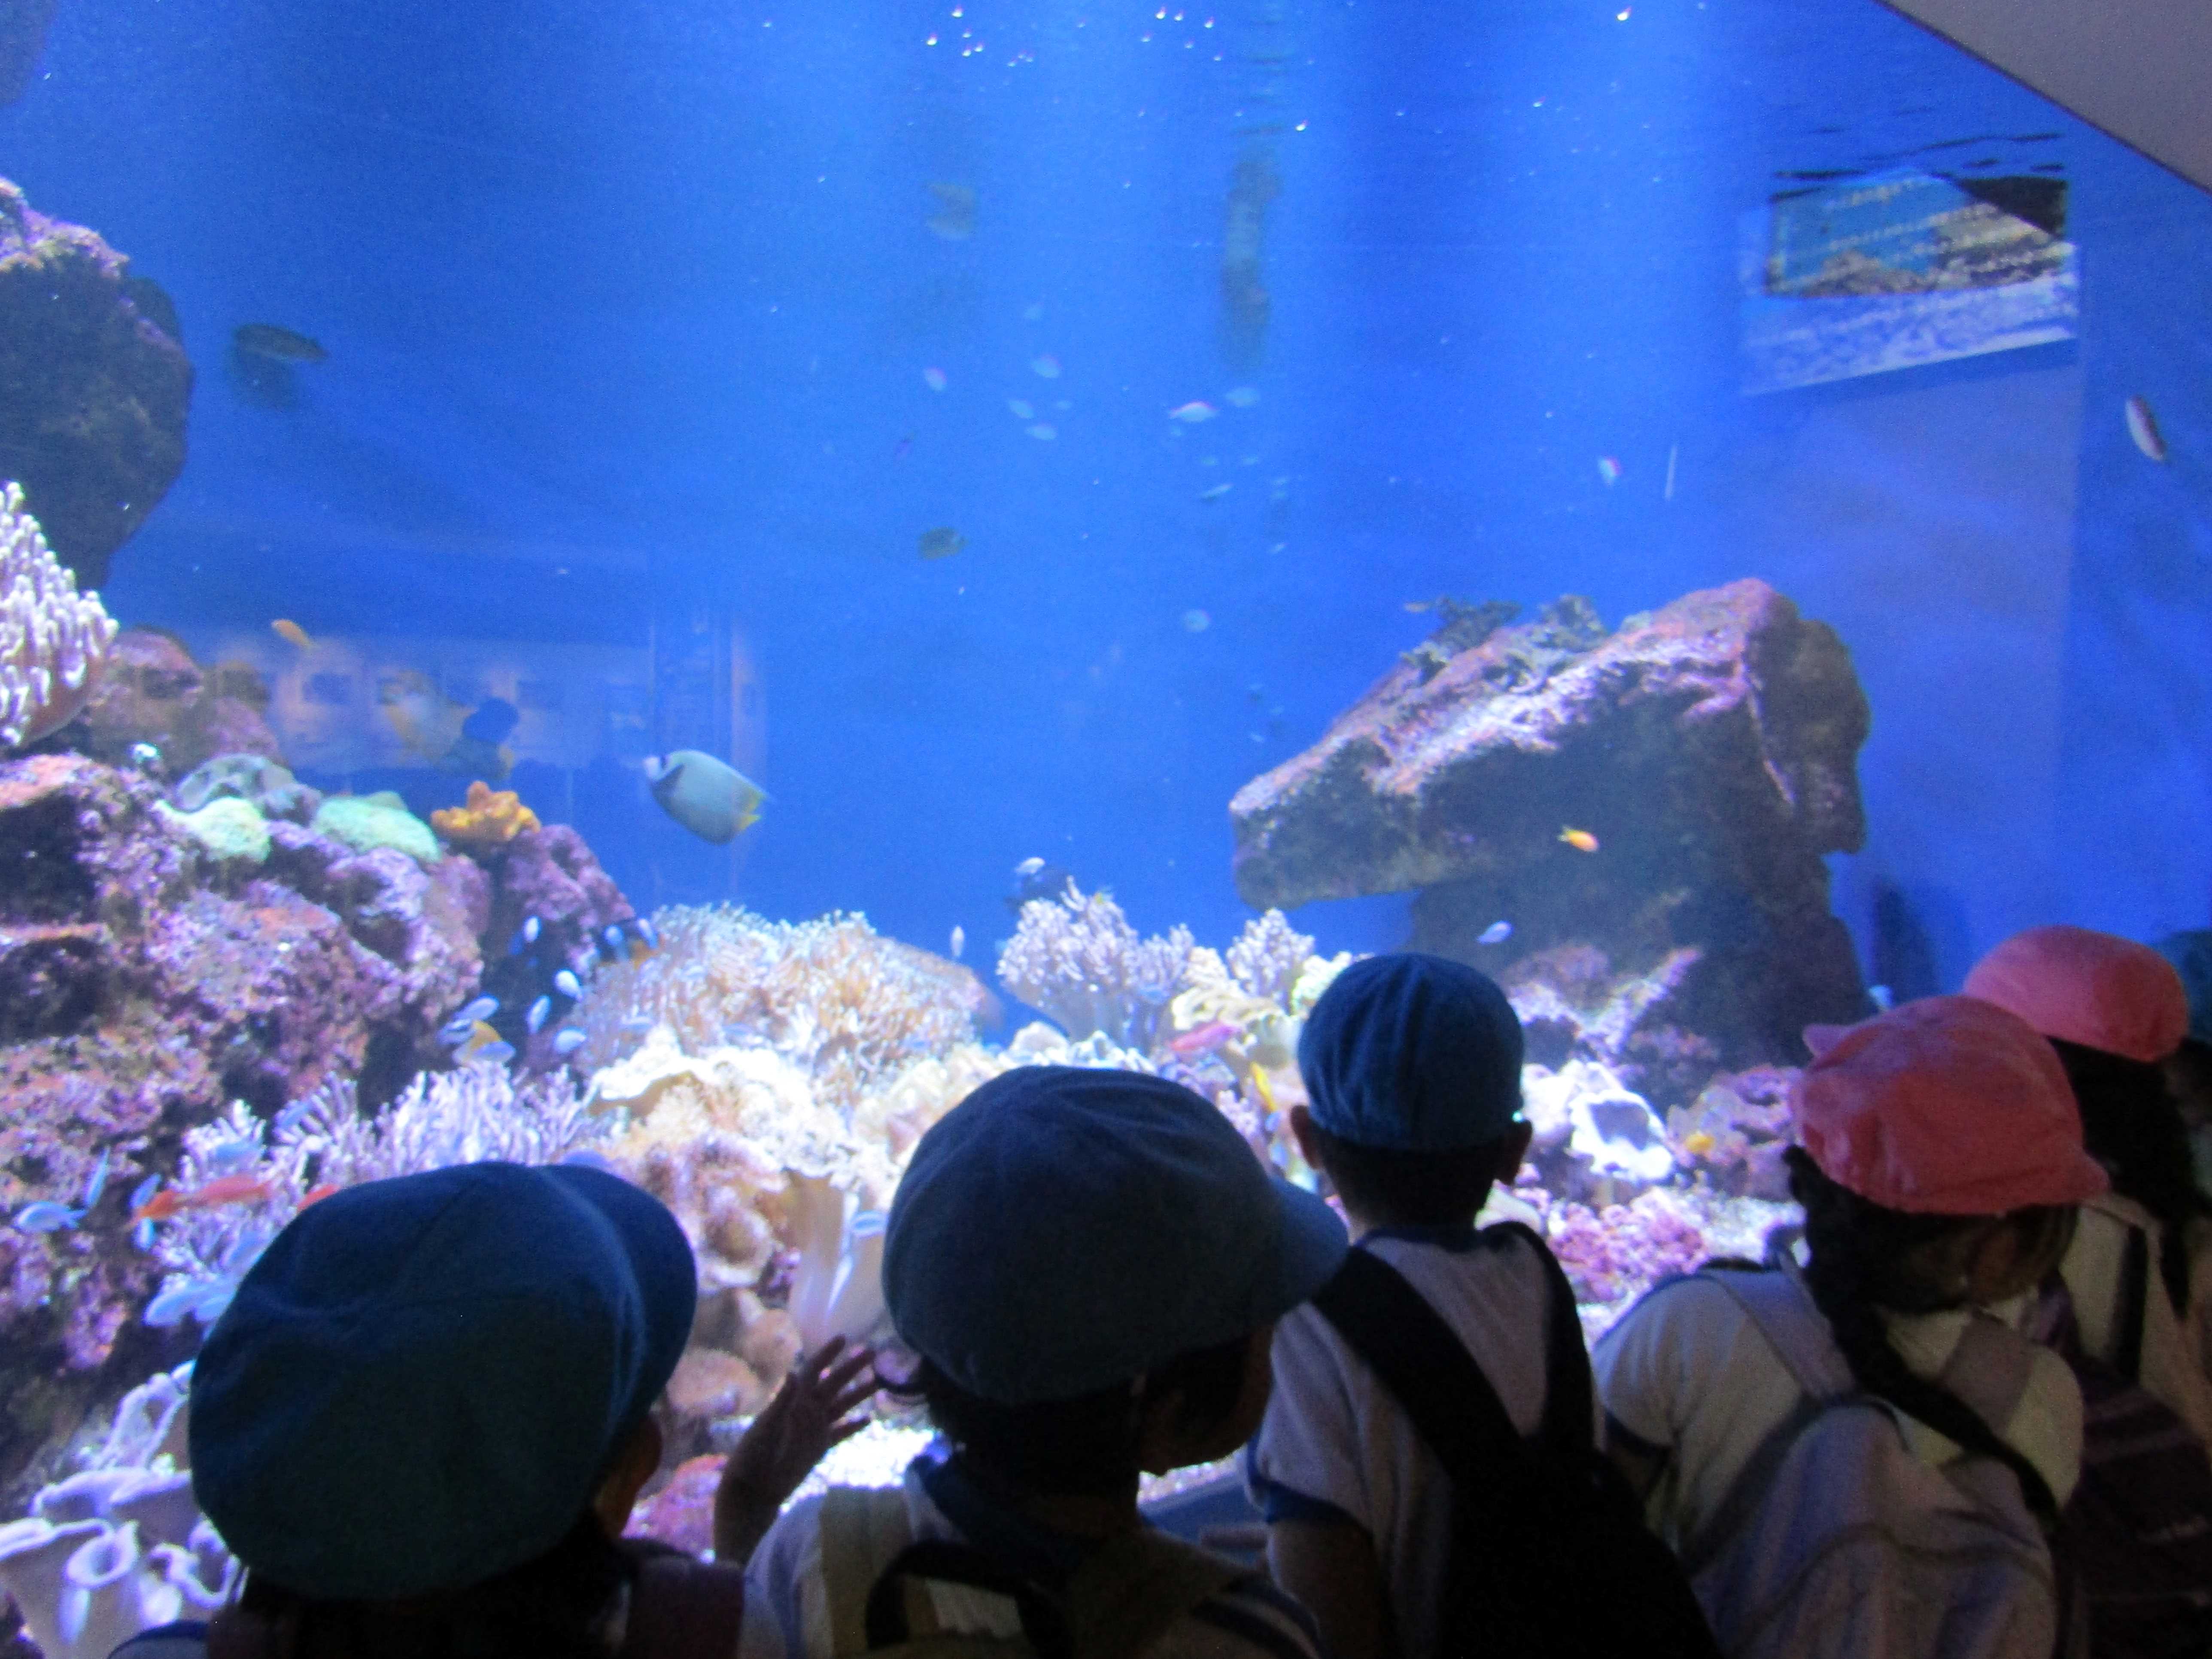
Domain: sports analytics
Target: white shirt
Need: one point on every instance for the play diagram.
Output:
(1335, 1445)
(2173, 1355)
(1686, 1369)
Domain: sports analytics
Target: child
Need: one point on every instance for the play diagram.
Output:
(422, 1420)
(2116, 1011)
(1412, 1066)
(1089, 1264)
(1940, 1165)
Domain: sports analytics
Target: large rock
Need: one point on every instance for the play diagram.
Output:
(1711, 748)
(143, 986)
(151, 691)
(94, 386)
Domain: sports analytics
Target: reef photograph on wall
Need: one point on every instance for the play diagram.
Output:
(675, 587)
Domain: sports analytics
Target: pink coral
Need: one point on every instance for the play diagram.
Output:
(1624, 1250)
(52, 639)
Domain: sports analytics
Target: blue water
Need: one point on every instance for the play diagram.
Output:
(628, 307)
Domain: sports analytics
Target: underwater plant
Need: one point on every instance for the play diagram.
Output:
(1078, 958)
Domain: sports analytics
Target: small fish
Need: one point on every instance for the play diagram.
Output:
(710, 797)
(1029, 867)
(1196, 621)
(2142, 427)
(1881, 997)
(639, 1023)
(145, 756)
(482, 1008)
(1204, 1039)
(647, 934)
(290, 1116)
(143, 1235)
(317, 1195)
(1024, 409)
(171, 1306)
(210, 1195)
(1045, 367)
(567, 1041)
(1609, 470)
(1192, 413)
(1581, 839)
(291, 633)
(47, 1217)
(1699, 1144)
(144, 1191)
(1265, 1089)
(942, 542)
(268, 340)
(1243, 397)
(480, 1037)
(494, 1054)
(537, 1013)
(933, 378)
(1043, 431)
(902, 448)
(567, 985)
(1673, 452)
(955, 218)
(1497, 933)
(1215, 492)
(615, 942)
(959, 941)
(98, 1183)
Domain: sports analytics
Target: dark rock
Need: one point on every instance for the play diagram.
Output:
(1711, 749)
(93, 391)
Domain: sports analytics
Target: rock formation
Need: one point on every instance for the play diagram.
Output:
(1707, 755)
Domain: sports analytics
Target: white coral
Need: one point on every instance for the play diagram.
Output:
(52, 638)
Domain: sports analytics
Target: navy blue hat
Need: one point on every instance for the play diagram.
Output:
(1062, 1230)
(1412, 1053)
(421, 1381)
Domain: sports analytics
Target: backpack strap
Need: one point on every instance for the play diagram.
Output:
(861, 1527)
(2135, 1294)
(1427, 1368)
(1137, 1586)
(680, 1608)
(944, 1561)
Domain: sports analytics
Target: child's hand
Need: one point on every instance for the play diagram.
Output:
(808, 1416)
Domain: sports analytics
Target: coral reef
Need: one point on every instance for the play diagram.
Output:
(153, 695)
(93, 388)
(1078, 959)
(143, 986)
(53, 642)
(1734, 1134)
(1669, 787)
(1614, 1254)
(268, 784)
(370, 823)
(229, 830)
(490, 815)
(1593, 1134)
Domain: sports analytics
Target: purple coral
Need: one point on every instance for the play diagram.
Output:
(1619, 1252)
(1268, 955)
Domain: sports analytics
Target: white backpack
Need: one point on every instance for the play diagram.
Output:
(1838, 1542)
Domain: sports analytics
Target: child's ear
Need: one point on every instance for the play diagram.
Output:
(1301, 1131)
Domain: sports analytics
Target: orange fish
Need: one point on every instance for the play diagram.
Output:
(1699, 1144)
(173, 1202)
(1581, 839)
(317, 1195)
(291, 633)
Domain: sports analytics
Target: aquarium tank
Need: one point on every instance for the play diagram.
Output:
(681, 583)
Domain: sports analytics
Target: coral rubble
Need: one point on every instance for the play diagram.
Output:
(53, 641)
(1668, 787)
(93, 388)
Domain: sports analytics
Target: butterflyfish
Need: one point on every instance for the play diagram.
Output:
(2142, 427)
(710, 797)
(1581, 839)
(285, 345)
(291, 633)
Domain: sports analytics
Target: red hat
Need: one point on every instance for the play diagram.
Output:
(1949, 1106)
(2095, 989)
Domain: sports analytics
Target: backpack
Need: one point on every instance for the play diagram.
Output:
(1836, 1540)
(1126, 1594)
(2139, 1529)
(1532, 1520)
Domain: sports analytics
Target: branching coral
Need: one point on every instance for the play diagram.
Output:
(52, 638)
(847, 1006)
(1268, 957)
(1080, 961)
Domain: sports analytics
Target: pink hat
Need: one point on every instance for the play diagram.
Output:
(1949, 1106)
(2097, 990)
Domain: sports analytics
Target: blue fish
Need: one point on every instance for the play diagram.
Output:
(170, 1306)
(646, 932)
(498, 1053)
(456, 1031)
(144, 1191)
(613, 935)
(98, 1184)
(565, 982)
(233, 1157)
(524, 936)
(47, 1217)
(1497, 933)
(143, 1235)
(290, 1116)
(536, 1017)
(566, 1042)
(482, 1008)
